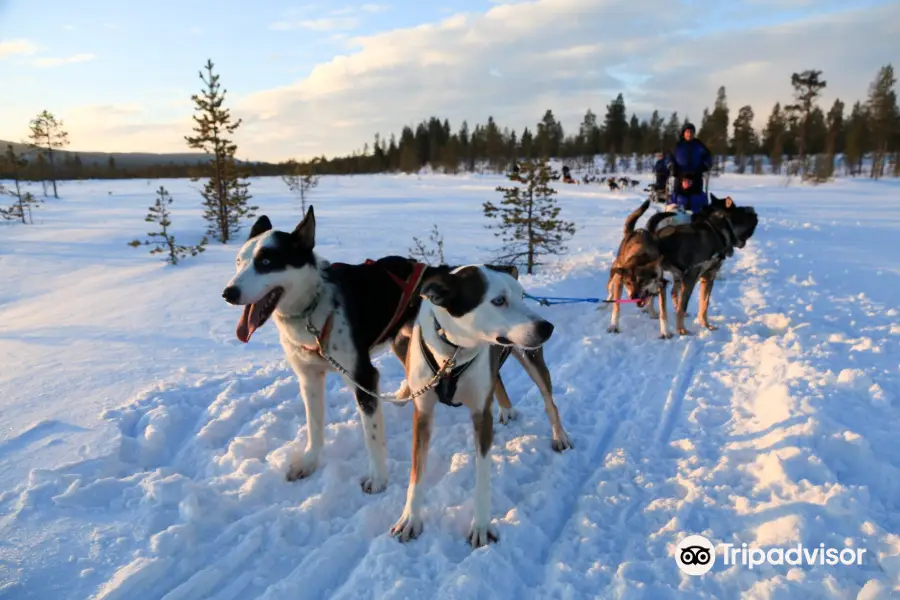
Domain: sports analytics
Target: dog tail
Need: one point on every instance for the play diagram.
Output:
(633, 217)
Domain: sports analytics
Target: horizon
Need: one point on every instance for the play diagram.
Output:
(318, 79)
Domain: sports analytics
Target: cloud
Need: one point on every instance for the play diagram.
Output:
(553, 54)
(60, 61)
(347, 18)
(127, 127)
(323, 24)
(17, 48)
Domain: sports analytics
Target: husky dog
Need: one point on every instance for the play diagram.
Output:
(695, 251)
(465, 313)
(638, 268)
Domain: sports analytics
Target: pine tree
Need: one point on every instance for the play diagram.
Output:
(857, 139)
(46, 135)
(807, 88)
(226, 196)
(883, 117)
(300, 179)
(718, 125)
(23, 203)
(672, 132)
(773, 138)
(833, 141)
(549, 136)
(433, 255)
(744, 137)
(528, 217)
(163, 241)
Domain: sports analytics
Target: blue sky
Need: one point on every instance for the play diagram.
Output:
(312, 78)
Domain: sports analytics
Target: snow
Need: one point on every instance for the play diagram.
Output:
(143, 449)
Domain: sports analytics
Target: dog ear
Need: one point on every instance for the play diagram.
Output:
(440, 289)
(305, 233)
(510, 270)
(262, 225)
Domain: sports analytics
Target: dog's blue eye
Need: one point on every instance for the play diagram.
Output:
(265, 262)
(499, 301)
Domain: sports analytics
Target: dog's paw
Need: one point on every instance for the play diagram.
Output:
(408, 528)
(482, 535)
(507, 415)
(710, 327)
(303, 467)
(612, 329)
(373, 485)
(683, 331)
(561, 442)
(403, 392)
(665, 336)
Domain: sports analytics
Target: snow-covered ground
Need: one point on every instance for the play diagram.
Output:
(143, 448)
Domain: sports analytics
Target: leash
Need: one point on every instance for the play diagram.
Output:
(554, 300)
(448, 364)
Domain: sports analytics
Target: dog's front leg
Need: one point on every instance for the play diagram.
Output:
(409, 526)
(373, 427)
(507, 412)
(616, 295)
(400, 348)
(482, 532)
(663, 314)
(684, 297)
(536, 366)
(312, 389)
(706, 286)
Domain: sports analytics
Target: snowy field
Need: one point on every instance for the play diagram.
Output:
(143, 449)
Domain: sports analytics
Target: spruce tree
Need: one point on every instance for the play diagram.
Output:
(834, 139)
(549, 136)
(163, 241)
(807, 88)
(773, 138)
(301, 179)
(744, 137)
(718, 125)
(527, 218)
(883, 117)
(226, 196)
(672, 132)
(47, 135)
(24, 201)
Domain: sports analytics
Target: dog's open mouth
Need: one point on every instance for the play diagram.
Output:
(256, 314)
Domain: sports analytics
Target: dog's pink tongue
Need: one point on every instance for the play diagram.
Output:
(244, 327)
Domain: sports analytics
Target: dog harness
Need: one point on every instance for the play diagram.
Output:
(409, 287)
(446, 385)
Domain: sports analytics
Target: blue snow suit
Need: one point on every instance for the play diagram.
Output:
(690, 159)
(661, 169)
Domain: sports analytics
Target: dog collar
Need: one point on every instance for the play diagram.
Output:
(310, 308)
(441, 335)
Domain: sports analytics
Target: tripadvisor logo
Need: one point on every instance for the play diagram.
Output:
(695, 555)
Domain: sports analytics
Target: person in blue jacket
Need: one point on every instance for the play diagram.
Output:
(689, 161)
(661, 170)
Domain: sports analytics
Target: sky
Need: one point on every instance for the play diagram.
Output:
(322, 78)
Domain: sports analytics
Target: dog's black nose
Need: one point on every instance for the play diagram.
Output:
(231, 294)
(545, 329)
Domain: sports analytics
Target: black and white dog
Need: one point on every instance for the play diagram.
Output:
(347, 312)
(466, 315)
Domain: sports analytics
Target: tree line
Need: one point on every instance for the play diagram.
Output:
(799, 134)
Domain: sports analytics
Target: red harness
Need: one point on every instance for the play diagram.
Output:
(409, 287)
